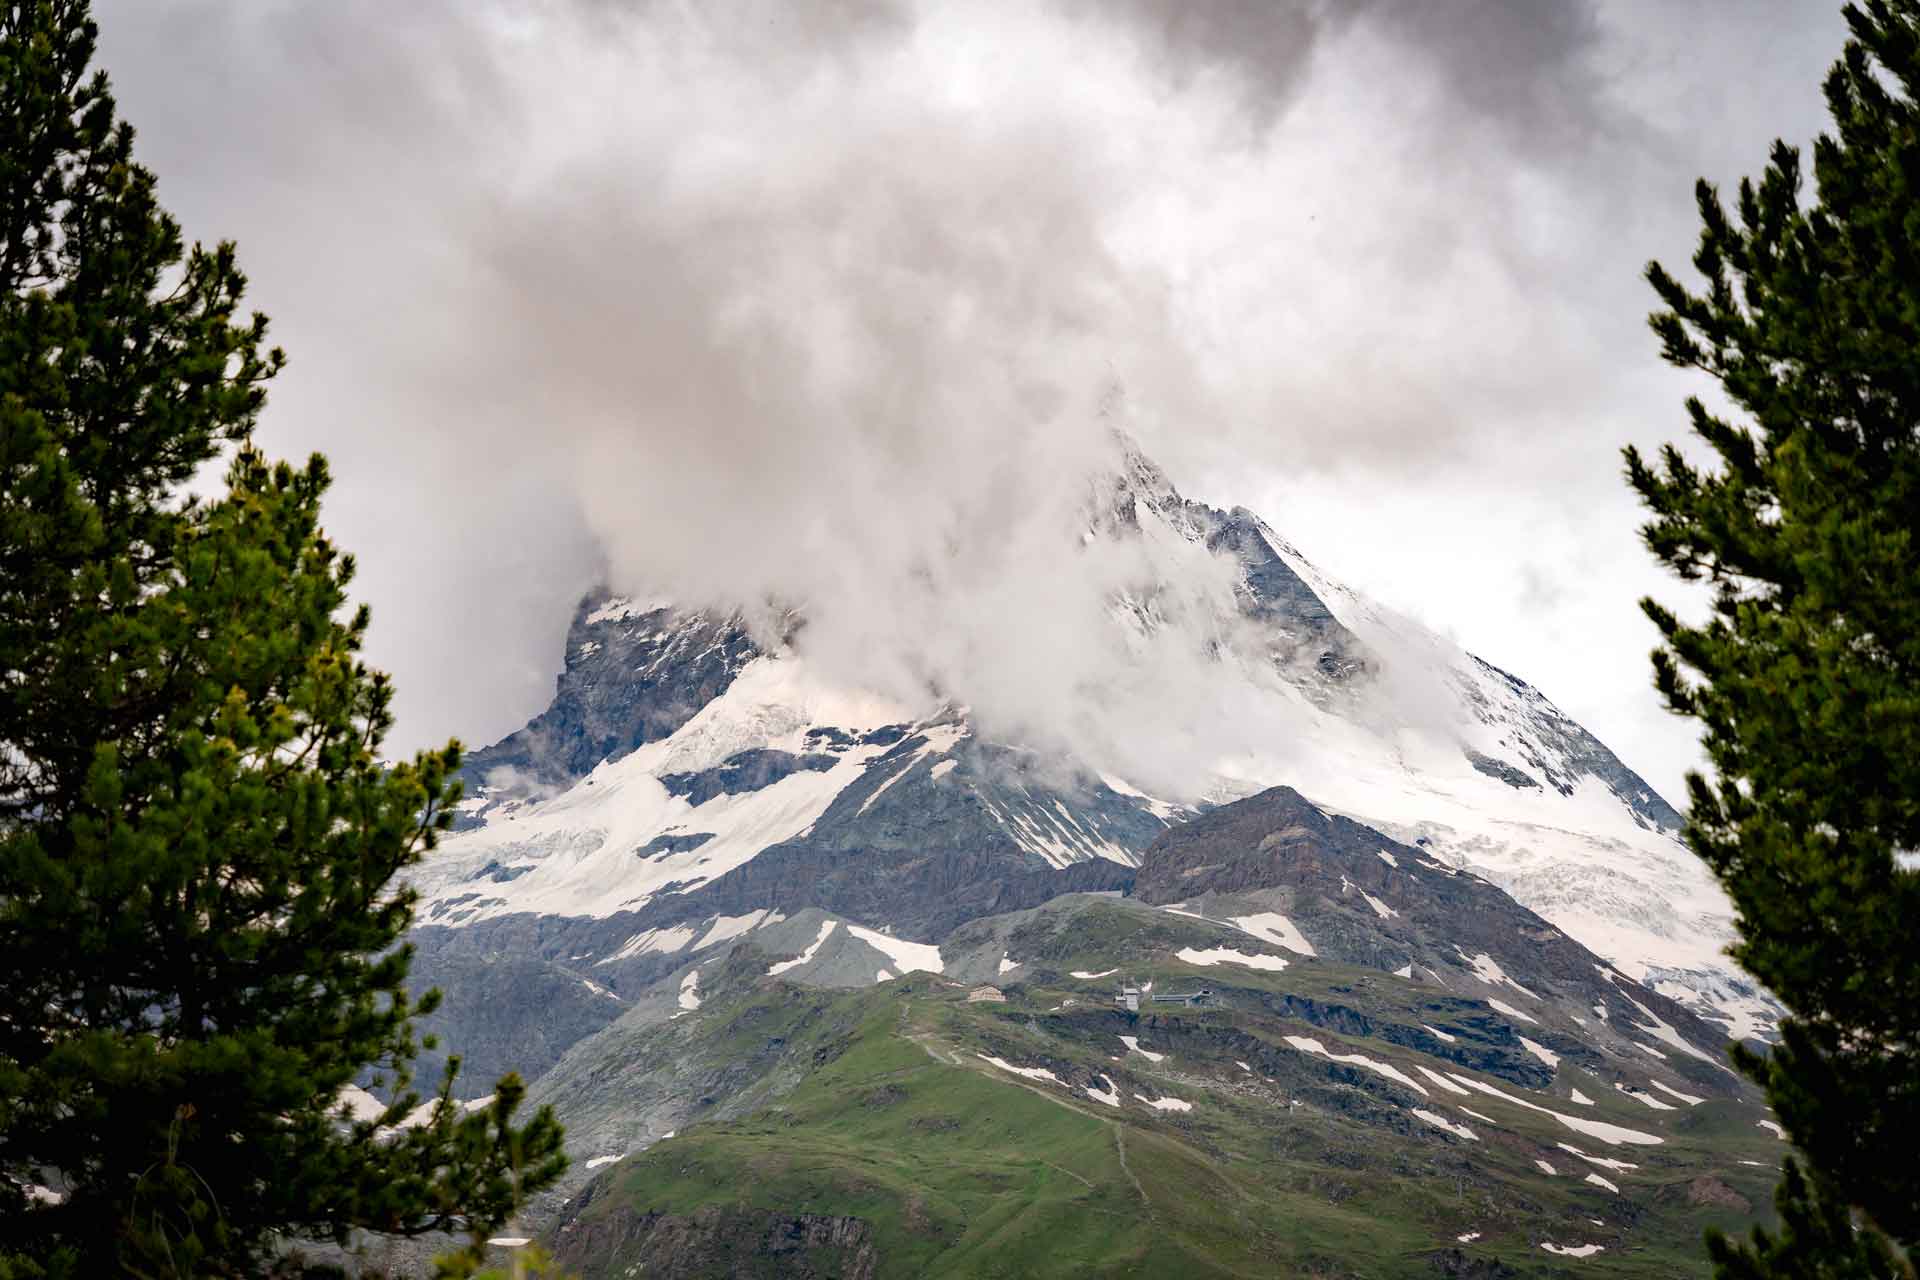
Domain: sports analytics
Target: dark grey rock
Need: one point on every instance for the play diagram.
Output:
(1276, 846)
(1305, 633)
(628, 681)
(1575, 754)
(503, 1012)
(674, 843)
(1519, 779)
(747, 771)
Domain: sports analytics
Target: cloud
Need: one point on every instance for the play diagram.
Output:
(835, 303)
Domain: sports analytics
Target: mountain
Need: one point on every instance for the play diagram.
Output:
(693, 778)
(824, 979)
(1505, 1104)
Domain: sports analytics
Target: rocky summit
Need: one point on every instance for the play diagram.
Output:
(827, 982)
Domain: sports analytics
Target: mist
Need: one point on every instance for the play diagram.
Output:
(838, 307)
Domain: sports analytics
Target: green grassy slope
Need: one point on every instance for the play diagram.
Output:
(916, 1156)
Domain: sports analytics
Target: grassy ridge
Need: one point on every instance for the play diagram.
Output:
(909, 1154)
(960, 1169)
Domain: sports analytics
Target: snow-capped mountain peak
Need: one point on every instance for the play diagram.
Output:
(687, 772)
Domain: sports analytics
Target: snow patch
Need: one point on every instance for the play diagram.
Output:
(1030, 1073)
(1546, 1168)
(1512, 1012)
(1488, 970)
(1581, 1098)
(1227, 955)
(1387, 858)
(1599, 1181)
(725, 927)
(1611, 1133)
(907, 957)
(1573, 1250)
(1773, 1128)
(1442, 1081)
(690, 990)
(1666, 1034)
(1380, 908)
(359, 1104)
(1133, 1046)
(1441, 1122)
(1307, 1045)
(1646, 1098)
(1084, 976)
(1616, 1166)
(597, 1161)
(1672, 1092)
(1541, 1052)
(1165, 1104)
(1111, 1097)
(1271, 926)
(653, 941)
(620, 608)
(807, 955)
(940, 739)
(1437, 1033)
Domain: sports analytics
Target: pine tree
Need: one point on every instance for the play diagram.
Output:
(199, 915)
(1806, 673)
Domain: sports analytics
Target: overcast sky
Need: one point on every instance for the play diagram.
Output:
(804, 298)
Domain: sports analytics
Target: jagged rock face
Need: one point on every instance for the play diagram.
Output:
(1274, 594)
(635, 672)
(926, 840)
(505, 1011)
(919, 896)
(1262, 842)
(744, 771)
(1277, 866)
(1563, 753)
(1306, 633)
(684, 778)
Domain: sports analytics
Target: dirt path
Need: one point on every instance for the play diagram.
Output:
(1071, 1174)
(1120, 1144)
(945, 1057)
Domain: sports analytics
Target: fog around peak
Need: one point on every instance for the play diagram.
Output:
(839, 304)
